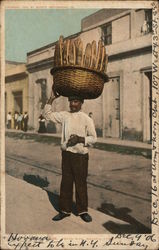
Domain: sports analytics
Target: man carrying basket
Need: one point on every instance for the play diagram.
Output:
(78, 133)
(78, 76)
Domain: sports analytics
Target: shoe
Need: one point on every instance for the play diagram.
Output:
(60, 216)
(86, 217)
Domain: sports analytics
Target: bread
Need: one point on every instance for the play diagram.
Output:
(65, 52)
(102, 58)
(61, 49)
(79, 52)
(57, 60)
(71, 53)
(93, 55)
(99, 55)
(88, 52)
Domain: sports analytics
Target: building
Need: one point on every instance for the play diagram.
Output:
(124, 109)
(16, 88)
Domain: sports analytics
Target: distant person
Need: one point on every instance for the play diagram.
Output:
(25, 122)
(42, 128)
(19, 121)
(145, 28)
(15, 120)
(9, 120)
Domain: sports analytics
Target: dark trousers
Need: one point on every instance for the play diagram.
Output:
(25, 125)
(9, 124)
(15, 123)
(74, 170)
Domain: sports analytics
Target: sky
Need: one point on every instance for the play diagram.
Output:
(27, 30)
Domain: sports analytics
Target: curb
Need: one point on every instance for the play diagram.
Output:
(106, 146)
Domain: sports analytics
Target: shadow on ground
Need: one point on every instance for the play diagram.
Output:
(54, 200)
(52, 196)
(36, 180)
(133, 227)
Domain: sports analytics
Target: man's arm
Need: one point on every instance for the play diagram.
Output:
(91, 137)
(51, 99)
(49, 114)
(74, 139)
(54, 95)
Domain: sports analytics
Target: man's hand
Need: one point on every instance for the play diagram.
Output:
(52, 98)
(74, 139)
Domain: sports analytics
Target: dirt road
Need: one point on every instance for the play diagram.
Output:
(118, 184)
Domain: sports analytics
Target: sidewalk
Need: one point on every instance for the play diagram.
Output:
(110, 143)
(29, 211)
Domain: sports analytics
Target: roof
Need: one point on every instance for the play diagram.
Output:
(99, 16)
(51, 44)
(14, 62)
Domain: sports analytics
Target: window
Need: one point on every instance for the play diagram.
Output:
(107, 34)
(148, 18)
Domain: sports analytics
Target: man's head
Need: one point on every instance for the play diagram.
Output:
(75, 103)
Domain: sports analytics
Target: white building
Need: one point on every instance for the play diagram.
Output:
(16, 89)
(123, 110)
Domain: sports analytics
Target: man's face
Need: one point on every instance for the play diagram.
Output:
(75, 105)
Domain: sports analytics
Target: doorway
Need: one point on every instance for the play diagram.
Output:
(147, 106)
(18, 101)
(112, 108)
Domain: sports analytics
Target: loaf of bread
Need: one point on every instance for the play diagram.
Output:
(71, 52)
(79, 52)
(99, 55)
(88, 52)
(102, 58)
(93, 55)
(61, 44)
(65, 53)
(57, 61)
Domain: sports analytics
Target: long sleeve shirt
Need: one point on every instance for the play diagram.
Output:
(77, 123)
(9, 117)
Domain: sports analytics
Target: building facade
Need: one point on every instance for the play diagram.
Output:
(124, 109)
(16, 89)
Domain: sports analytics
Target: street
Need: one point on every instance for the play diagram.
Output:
(118, 184)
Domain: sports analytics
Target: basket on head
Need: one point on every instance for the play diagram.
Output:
(75, 73)
(74, 80)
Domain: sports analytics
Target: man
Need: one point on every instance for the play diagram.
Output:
(25, 122)
(15, 119)
(9, 120)
(20, 121)
(78, 132)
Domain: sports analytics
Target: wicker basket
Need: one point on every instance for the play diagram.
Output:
(75, 80)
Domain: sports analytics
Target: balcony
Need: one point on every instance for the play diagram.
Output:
(130, 44)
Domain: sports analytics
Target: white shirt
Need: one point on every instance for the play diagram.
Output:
(41, 120)
(9, 117)
(20, 117)
(77, 123)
